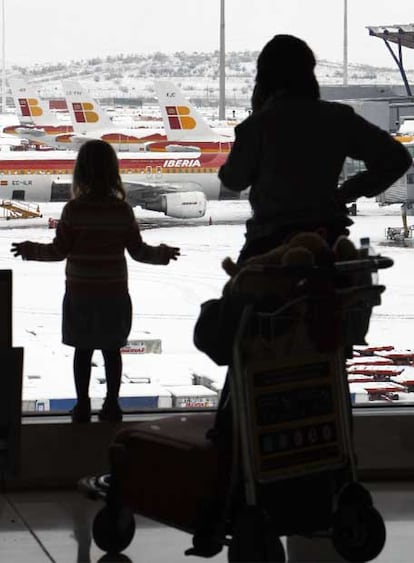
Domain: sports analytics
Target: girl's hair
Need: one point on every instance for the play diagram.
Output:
(285, 67)
(96, 171)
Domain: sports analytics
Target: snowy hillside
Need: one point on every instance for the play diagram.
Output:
(131, 75)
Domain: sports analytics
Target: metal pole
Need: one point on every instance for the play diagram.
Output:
(222, 65)
(3, 65)
(345, 62)
(399, 63)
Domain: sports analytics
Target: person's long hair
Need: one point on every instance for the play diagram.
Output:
(96, 171)
(285, 67)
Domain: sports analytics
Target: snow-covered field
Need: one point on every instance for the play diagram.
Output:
(166, 300)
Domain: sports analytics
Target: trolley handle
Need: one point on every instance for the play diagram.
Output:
(371, 264)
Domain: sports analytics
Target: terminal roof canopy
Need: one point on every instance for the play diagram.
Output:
(400, 34)
(403, 36)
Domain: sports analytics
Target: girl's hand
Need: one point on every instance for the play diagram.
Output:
(17, 249)
(170, 252)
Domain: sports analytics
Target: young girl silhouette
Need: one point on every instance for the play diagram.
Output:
(95, 228)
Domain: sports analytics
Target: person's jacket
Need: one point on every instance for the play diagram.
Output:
(291, 154)
(93, 234)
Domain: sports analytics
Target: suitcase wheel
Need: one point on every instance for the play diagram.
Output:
(254, 539)
(358, 532)
(113, 530)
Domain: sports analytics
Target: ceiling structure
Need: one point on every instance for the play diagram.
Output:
(402, 36)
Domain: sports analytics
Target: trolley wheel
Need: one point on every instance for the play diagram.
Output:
(358, 532)
(204, 546)
(113, 530)
(95, 487)
(254, 540)
(354, 494)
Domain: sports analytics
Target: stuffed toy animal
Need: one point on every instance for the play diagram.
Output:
(303, 250)
(344, 249)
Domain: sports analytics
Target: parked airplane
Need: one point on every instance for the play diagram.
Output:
(40, 126)
(176, 184)
(185, 129)
(90, 121)
(183, 123)
(36, 122)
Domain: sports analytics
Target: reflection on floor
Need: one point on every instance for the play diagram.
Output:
(38, 527)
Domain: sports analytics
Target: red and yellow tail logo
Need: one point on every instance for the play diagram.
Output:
(179, 117)
(30, 107)
(84, 112)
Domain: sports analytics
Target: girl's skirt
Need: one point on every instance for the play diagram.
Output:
(101, 323)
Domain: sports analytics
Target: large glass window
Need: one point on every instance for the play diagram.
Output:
(162, 369)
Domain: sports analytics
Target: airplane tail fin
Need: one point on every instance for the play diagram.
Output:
(31, 109)
(182, 121)
(85, 112)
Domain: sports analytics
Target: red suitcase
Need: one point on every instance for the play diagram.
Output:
(167, 469)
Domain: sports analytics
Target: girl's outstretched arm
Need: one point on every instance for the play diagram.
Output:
(47, 252)
(37, 251)
(161, 254)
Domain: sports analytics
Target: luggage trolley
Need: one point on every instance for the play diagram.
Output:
(292, 412)
(292, 467)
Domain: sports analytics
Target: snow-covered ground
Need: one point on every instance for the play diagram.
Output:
(167, 300)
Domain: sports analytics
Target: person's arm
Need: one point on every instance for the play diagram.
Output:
(240, 169)
(55, 251)
(386, 160)
(142, 252)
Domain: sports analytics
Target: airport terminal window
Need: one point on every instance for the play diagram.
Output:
(162, 369)
(410, 149)
(352, 167)
(160, 357)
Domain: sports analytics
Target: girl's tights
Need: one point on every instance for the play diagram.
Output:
(82, 363)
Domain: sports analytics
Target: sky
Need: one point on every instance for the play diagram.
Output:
(53, 30)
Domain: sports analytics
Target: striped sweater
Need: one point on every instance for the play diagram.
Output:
(92, 235)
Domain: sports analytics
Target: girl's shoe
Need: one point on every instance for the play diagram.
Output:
(81, 412)
(110, 412)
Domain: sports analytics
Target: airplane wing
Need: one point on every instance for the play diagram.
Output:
(73, 140)
(30, 131)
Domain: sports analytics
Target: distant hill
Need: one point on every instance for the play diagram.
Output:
(131, 75)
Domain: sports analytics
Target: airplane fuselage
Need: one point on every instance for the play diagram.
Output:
(36, 176)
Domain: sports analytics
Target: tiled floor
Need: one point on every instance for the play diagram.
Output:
(39, 527)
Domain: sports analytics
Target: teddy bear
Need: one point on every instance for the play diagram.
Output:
(304, 253)
(305, 250)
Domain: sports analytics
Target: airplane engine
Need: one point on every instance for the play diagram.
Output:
(181, 205)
